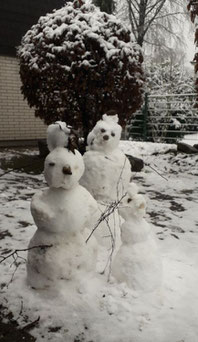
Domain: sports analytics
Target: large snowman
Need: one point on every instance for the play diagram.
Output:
(107, 169)
(61, 213)
(138, 262)
(107, 175)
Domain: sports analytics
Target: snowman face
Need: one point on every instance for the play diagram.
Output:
(105, 136)
(132, 206)
(63, 169)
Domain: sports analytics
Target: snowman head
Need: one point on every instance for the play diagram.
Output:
(106, 134)
(63, 169)
(57, 135)
(133, 205)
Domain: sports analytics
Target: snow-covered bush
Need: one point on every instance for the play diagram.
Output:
(168, 78)
(172, 115)
(77, 63)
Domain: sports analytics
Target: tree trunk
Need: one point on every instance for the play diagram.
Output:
(141, 24)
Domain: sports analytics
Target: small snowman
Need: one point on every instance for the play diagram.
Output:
(138, 261)
(62, 213)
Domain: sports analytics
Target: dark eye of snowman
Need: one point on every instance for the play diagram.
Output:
(113, 134)
(51, 164)
(129, 200)
(102, 130)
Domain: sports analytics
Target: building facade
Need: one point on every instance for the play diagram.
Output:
(18, 124)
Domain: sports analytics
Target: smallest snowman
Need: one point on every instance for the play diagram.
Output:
(137, 262)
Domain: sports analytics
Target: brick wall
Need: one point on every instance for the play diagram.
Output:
(17, 120)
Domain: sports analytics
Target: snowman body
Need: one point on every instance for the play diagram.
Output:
(106, 176)
(138, 261)
(62, 213)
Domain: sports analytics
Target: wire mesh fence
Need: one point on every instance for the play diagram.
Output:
(166, 118)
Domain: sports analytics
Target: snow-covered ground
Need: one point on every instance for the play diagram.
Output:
(97, 310)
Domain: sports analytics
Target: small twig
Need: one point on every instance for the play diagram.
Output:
(31, 325)
(120, 178)
(13, 274)
(113, 239)
(157, 172)
(5, 173)
(109, 261)
(19, 168)
(21, 309)
(109, 210)
(15, 255)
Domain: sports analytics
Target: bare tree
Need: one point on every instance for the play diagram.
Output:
(193, 8)
(107, 6)
(142, 13)
(157, 25)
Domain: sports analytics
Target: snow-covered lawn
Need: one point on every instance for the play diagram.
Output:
(98, 311)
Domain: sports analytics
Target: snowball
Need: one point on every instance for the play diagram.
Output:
(67, 259)
(132, 189)
(57, 135)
